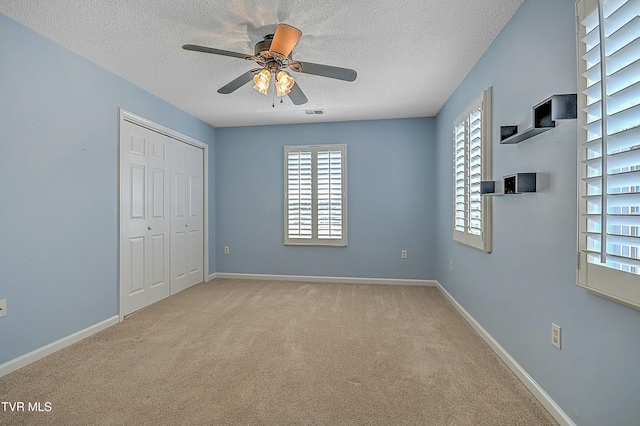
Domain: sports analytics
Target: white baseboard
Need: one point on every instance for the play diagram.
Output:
(40, 353)
(544, 398)
(317, 279)
(212, 277)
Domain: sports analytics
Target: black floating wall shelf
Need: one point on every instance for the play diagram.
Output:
(520, 183)
(557, 107)
(488, 187)
(517, 183)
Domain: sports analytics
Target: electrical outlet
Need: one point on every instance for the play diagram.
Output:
(226, 249)
(404, 254)
(451, 264)
(3, 308)
(556, 336)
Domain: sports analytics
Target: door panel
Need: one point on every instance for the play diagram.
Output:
(133, 221)
(179, 254)
(181, 195)
(137, 140)
(144, 219)
(138, 190)
(187, 217)
(195, 266)
(195, 196)
(196, 221)
(137, 262)
(157, 193)
(158, 262)
(179, 236)
(159, 219)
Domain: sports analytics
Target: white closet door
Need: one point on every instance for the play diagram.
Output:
(144, 217)
(159, 217)
(187, 221)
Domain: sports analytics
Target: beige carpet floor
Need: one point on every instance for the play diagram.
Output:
(235, 352)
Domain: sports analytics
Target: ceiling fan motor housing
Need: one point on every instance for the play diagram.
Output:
(262, 47)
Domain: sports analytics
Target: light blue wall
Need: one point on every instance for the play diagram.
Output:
(528, 281)
(390, 188)
(59, 186)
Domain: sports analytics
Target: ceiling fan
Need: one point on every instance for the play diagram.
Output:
(273, 55)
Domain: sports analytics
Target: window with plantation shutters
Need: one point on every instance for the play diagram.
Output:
(315, 195)
(471, 165)
(609, 148)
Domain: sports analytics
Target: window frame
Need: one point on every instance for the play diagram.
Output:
(484, 241)
(617, 285)
(315, 240)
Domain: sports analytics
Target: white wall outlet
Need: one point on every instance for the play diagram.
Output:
(3, 308)
(404, 254)
(556, 336)
(451, 264)
(226, 249)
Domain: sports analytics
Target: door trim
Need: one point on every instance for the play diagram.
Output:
(124, 115)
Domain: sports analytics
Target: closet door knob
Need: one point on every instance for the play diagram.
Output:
(149, 228)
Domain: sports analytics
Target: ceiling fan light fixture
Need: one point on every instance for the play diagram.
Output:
(261, 81)
(284, 83)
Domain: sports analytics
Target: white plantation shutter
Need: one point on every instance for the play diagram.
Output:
(299, 194)
(315, 195)
(459, 137)
(471, 164)
(475, 172)
(609, 135)
(330, 194)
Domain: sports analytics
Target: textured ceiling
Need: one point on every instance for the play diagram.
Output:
(409, 55)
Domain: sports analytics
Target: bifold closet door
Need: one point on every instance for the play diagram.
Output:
(144, 217)
(187, 221)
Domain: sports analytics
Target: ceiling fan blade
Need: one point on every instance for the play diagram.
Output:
(285, 39)
(338, 73)
(296, 95)
(237, 83)
(216, 51)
